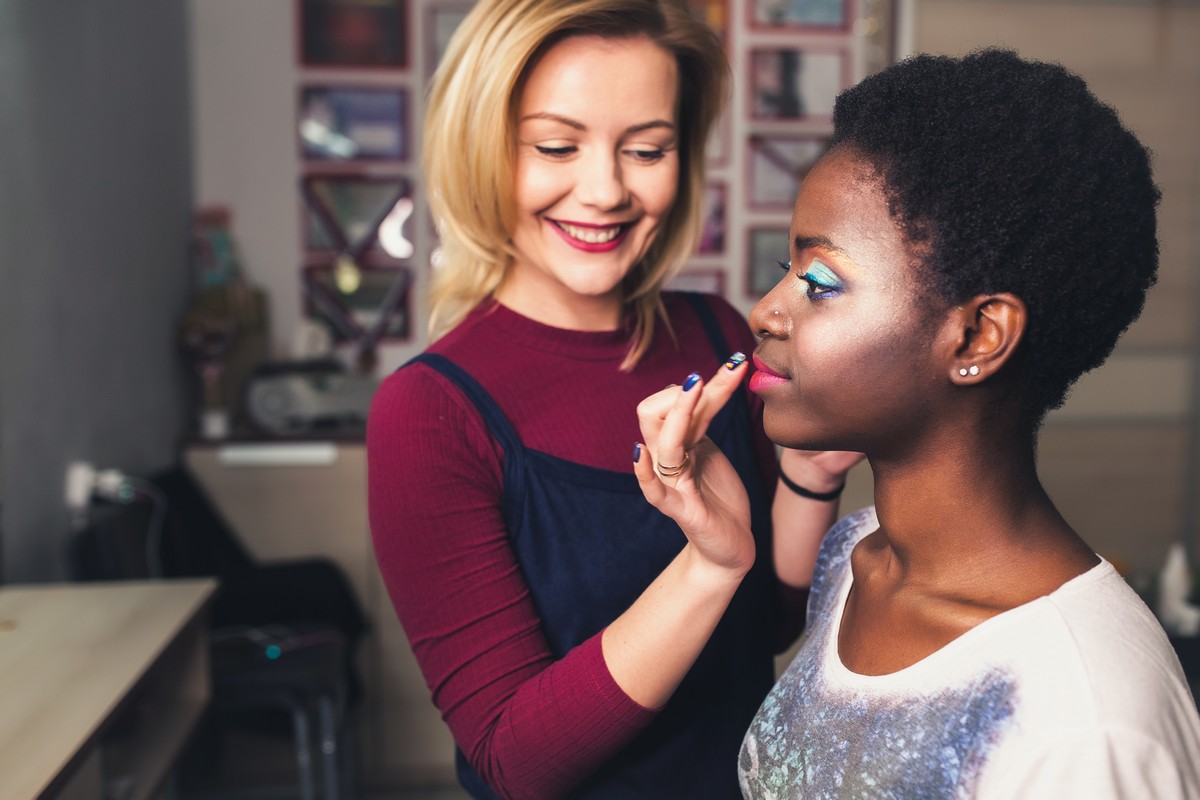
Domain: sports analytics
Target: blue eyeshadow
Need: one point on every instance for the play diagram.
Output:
(823, 275)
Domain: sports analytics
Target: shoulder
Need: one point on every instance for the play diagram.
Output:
(684, 317)
(1105, 764)
(1111, 628)
(462, 341)
(418, 401)
(412, 387)
(1096, 678)
(417, 387)
(1127, 660)
(680, 305)
(716, 302)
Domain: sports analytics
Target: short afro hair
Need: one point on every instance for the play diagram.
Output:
(1010, 176)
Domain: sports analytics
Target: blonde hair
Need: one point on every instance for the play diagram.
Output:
(470, 134)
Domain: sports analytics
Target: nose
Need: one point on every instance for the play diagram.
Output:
(601, 182)
(768, 318)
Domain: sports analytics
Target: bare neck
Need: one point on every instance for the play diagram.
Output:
(968, 517)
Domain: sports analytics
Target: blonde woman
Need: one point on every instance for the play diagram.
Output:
(575, 642)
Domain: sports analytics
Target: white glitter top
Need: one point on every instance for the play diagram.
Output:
(1077, 694)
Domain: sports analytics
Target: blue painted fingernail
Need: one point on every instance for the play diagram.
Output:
(691, 381)
(637, 453)
(735, 360)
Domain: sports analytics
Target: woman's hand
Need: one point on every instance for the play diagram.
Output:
(800, 522)
(684, 475)
(652, 645)
(818, 470)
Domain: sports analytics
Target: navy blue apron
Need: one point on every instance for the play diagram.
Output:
(588, 545)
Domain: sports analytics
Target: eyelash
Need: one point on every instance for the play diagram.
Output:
(640, 156)
(646, 156)
(815, 289)
(556, 152)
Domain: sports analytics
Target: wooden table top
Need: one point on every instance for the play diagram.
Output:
(69, 654)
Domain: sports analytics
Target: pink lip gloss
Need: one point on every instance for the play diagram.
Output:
(764, 378)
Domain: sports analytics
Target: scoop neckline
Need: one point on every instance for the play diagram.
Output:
(949, 651)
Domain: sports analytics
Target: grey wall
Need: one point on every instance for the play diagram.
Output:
(95, 198)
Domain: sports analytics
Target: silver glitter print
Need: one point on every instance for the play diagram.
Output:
(813, 740)
(810, 742)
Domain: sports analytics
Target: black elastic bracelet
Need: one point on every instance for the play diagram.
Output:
(824, 497)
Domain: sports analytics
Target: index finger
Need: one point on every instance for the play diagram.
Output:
(716, 394)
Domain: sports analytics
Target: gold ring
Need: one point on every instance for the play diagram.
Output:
(673, 472)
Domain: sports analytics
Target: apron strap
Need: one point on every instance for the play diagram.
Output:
(498, 426)
(708, 320)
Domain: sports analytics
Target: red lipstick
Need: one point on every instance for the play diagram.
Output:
(561, 228)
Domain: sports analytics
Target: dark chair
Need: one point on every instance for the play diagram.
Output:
(283, 634)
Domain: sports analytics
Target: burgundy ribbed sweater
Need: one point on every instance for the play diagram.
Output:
(531, 726)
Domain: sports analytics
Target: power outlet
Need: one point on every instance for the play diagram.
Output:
(84, 482)
(77, 489)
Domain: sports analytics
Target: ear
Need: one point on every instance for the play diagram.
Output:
(982, 333)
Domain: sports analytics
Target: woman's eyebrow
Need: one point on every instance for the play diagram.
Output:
(579, 126)
(645, 126)
(546, 115)
(802, 243)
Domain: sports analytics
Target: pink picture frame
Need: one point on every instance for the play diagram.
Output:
(796, 84)
(796, 16)
(352, 34)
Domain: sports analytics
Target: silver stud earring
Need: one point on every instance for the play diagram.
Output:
(974, 370)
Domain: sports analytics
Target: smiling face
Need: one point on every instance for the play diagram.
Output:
(597, 172)
(846, 359)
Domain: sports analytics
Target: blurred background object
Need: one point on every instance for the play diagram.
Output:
(224, 334)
